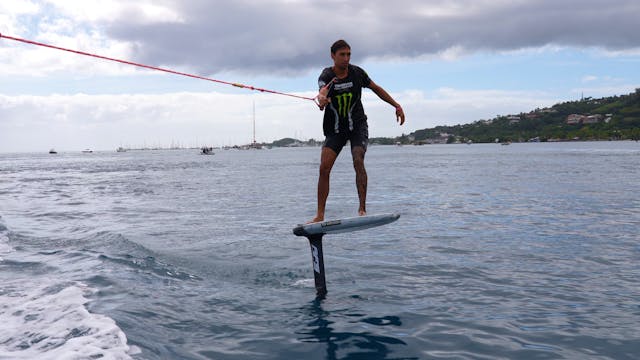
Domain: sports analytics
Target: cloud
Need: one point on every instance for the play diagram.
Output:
(104, 122)
(11, 12)
(449, 106)
(75, 122)
(288, 37)
(276, 40)
(280, 36)
(140, 11)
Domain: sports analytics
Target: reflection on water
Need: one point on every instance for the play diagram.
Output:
(345, 344)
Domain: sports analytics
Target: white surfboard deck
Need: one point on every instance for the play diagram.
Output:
(345, 225)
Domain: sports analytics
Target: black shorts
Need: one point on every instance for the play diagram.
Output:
(359, 136)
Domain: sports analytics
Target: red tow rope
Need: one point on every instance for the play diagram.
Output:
(155, 68)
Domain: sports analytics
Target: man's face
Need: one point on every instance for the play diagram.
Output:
(341, 57)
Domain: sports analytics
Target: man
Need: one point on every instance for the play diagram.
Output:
(344, 119)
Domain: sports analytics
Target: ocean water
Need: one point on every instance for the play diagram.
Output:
(527, 251)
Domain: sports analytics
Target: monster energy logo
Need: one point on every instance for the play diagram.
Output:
(344, 103)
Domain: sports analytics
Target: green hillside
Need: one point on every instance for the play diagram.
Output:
(610, 118)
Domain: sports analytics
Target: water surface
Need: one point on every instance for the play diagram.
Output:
(527, 251)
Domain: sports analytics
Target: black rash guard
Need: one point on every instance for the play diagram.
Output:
(345, 112)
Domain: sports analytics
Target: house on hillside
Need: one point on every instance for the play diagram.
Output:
(575, 119)
(592, 119)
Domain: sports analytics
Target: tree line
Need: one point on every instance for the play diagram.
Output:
(620, 120)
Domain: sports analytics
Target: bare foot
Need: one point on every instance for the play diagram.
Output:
(362, 213)
(318, 218)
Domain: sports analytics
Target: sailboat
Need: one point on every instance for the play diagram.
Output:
(254, 144)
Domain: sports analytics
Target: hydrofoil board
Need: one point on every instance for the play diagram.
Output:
(345, 225)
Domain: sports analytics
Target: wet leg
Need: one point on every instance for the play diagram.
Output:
(361, 178)
(327, 159)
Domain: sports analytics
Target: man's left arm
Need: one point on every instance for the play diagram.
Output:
(384, 95)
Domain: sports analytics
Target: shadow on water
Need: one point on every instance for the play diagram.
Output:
(349, 345)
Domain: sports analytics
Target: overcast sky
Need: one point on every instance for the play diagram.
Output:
(447, 62)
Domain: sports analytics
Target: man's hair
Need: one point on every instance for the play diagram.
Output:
(339, 45)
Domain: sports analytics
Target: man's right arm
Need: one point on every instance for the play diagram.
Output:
(324, 83)
(323, 99)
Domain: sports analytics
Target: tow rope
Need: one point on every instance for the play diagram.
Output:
(156, 68)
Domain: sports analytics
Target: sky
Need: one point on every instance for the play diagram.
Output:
(446, 62)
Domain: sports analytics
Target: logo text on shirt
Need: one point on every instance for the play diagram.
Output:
(343, 86)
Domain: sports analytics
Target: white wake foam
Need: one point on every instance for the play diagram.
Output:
(53, 323)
